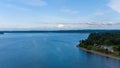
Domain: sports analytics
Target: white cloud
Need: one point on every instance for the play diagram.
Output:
(19, 3)
(69, 11)
(34, 2)
(16, 7)
(99, 13)
(115, 5)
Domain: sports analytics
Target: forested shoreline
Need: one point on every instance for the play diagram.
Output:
(107, 43)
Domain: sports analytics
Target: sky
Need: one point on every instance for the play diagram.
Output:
(59, 14)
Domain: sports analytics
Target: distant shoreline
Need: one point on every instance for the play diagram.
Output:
(59, 31)
(99, 53)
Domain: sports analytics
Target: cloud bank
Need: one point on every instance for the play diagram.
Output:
(60, 26)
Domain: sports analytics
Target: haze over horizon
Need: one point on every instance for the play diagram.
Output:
(59, 14)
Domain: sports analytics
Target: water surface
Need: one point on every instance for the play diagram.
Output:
(49, 50)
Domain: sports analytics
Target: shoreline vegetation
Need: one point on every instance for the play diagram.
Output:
(99, 53)
(105, 44)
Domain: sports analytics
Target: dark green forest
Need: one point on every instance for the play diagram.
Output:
(102, 39)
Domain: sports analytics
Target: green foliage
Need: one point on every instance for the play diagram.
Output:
(102, 39)
(117, 48)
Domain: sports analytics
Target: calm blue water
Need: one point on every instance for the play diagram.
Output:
(49, 50)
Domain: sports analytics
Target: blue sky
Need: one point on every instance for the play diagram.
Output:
(60, 14)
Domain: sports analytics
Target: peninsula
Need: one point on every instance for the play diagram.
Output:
(106, 44)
